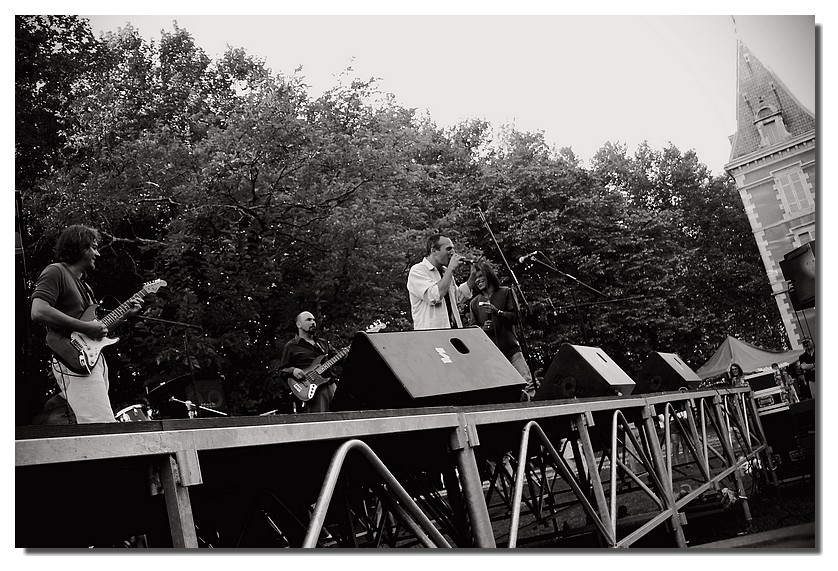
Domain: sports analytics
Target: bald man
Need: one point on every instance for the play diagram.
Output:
(299, 353)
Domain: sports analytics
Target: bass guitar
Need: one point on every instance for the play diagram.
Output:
(81, 353)
(305, 388)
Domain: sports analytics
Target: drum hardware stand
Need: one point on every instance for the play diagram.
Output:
(186, 327)
(192, 408)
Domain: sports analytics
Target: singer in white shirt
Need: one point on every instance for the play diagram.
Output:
(431, 280)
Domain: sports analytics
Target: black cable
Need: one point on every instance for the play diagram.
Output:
(53, 364)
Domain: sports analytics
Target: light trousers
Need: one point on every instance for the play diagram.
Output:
(86, 394)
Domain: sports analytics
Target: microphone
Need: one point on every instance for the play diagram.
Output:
(527, 256)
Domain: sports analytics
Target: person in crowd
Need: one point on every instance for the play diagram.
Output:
(789, 393)
(736, 376)
(806, 369)
(60, 299)
(494, 308)
(435, 297)
(299, 354)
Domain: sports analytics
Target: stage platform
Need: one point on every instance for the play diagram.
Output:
(435, 472)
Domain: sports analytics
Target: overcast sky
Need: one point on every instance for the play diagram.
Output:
(583, 80)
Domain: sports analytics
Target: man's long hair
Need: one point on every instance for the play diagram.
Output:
(74, 241)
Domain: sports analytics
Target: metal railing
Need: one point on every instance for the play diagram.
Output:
(722, 415)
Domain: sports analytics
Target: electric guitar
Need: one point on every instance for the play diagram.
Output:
(305, 389)
(81, 353)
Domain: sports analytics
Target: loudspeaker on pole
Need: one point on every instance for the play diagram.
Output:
(798, 267)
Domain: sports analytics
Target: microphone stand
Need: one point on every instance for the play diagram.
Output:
(515, 289)
(186, 327)
(576, 306)
(505, 263)
(568, 276)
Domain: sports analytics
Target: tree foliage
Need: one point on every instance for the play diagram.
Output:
(255, 201)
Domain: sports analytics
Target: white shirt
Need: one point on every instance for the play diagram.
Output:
(426, 304)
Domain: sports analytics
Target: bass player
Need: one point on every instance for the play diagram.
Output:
(300, 353)
(59, 300)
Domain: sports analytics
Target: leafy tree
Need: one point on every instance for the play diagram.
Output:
(53, 55)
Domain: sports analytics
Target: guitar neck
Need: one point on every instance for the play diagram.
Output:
(120, 311)
(329, 362)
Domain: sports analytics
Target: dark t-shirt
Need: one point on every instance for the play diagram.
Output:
(62, 290)
(502, 332)
(807, 358)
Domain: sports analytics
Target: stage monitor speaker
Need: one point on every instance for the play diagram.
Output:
(664, 372)
(579, 371)
(434, 367)
(798, 267)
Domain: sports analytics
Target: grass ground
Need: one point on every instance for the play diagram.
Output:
(771, 508)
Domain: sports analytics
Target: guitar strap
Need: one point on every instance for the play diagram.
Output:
(84, 289)
(320, 345)
(87, 290)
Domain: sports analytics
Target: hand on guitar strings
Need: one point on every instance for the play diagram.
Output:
(136, 305)
(94, 329)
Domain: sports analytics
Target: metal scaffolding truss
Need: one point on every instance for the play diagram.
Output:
(707, 440)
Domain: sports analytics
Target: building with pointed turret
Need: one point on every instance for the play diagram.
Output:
(773, 160)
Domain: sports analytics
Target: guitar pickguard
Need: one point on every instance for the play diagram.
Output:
(90, 349)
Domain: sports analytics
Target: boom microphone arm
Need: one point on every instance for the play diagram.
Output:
(516, 284)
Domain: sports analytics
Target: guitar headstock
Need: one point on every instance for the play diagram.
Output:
(376, 326)
(153, 286)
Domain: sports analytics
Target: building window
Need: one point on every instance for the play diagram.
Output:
(795, 191)
(771, 132)
(769, 123)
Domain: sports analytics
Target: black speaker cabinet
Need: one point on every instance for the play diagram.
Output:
(791, 434)
(209, 393)
(798, 267)
(664, 372)
(579, 371)
(435, 367)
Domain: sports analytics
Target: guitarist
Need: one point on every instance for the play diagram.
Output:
(300, 352)
(60, 298)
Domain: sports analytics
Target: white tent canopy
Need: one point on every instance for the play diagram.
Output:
(749, 357)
